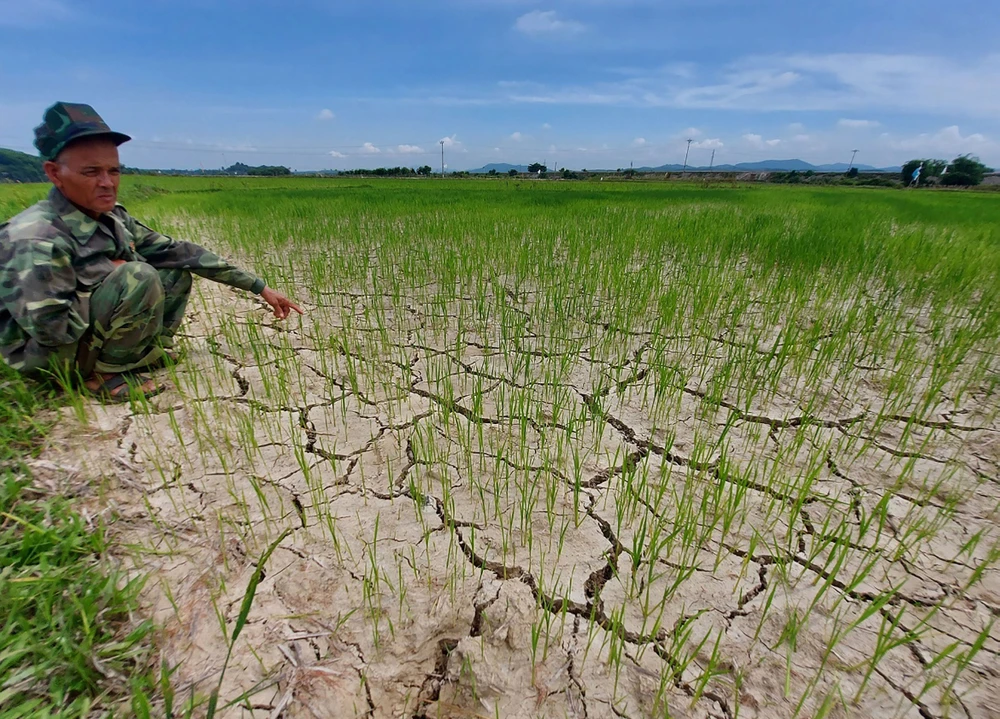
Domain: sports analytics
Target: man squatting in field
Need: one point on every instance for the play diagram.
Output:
(84, 286)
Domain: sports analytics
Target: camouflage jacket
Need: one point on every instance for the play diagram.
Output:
(52, 256)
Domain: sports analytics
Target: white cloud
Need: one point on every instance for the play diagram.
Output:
(949, 142)
(685, 70)
(848, 83)
(33, 13)
(857, 124)
(410, 150)
(534, 94)
(712, 143)
(758, 142)
(370, 149)
(796, 127)
(552, 149)
(325, 114)
(801, 137)
(450, 142)
(851, 81)
(516, 136)
(639, 142)
(547, 22)
(334, 153)
(546, 126)
(692, 132)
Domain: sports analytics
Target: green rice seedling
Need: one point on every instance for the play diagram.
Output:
(962, 661)
(241, 618)
(886, 640)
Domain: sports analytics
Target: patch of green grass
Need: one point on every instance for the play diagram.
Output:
(68, 647)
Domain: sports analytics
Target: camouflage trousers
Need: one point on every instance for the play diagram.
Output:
(134, 313)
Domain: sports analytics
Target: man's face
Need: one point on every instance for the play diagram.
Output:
(87, 173)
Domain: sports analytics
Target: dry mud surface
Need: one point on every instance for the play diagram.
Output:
(471, 537)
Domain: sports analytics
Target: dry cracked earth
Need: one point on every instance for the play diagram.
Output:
(481, 526)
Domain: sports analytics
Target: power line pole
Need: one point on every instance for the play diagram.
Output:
(711, 163)
(442, 158)
(853, 155)
(686, 155)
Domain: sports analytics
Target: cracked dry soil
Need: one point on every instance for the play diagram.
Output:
(478, 535)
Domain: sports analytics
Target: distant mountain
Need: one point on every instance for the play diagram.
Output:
(667, 168)
(775, 166)
(20, 167)
(501, 167)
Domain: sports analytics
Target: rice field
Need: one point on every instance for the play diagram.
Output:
(543, 449)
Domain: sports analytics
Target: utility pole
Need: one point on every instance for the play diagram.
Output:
(711, 163)
(442, 158)
(853, 155)
(686, 155)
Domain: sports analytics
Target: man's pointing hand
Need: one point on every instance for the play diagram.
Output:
(281, 305)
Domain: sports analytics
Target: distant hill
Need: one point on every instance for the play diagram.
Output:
(20, 167)
(776, 166)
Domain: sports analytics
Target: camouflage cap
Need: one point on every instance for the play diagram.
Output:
(68, 121)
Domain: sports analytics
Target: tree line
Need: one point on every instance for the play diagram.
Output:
(238, 168)
(257, 170)
(390, 171)
(964, 171)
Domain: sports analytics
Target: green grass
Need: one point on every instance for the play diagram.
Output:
(68, 647)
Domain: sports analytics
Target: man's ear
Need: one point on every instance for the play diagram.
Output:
(52, 172)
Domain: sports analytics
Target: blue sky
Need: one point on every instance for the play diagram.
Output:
(580, 83)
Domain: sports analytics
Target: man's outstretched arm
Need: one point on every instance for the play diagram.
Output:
(164, 252)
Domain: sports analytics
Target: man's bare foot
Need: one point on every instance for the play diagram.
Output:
(117, 387)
